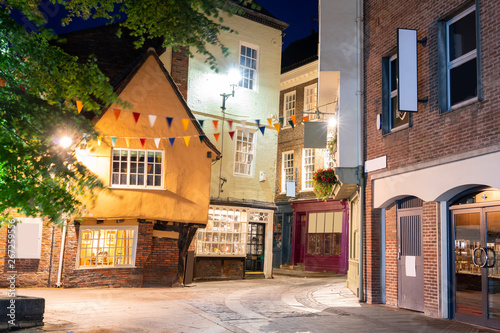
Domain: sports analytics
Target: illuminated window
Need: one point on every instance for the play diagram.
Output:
(248, 66)
(324, 233)
(244, 153)
(137, 168)
(311, 100)
(288, 107)
(287, 171)
(307, 169)
(107, 246)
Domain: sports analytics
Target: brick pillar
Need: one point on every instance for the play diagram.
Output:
(430, 240)
(179, 71)
(391, 255)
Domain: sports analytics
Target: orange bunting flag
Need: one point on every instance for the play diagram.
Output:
(216, 136)
(143, 141)
(185, 123)
(294, 119)
(99, 140)
(305, 119)
(79, 106)
(231, 134)
(216, 123)
(136, 116)
(186, 140)
(270, 121)
(127, 141)
(277, 126)
(117, 113)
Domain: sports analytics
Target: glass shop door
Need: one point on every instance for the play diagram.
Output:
(255, 247)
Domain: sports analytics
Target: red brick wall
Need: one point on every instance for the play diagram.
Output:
(179, 71)
(206, 268)
(161, 267)
(33, 272)
(391, 253)
(431, 258)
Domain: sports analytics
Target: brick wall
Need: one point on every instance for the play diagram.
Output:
(179, 72)
(391, 256)
(293, 140)
(430, 241)
(206, 268)
(161, 266)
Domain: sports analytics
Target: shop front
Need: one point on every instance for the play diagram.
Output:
(320, 235)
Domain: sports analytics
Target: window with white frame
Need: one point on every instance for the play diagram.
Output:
(137, 168)
(287, 170)
(311, 100)
(107, 246)
(248, 66)
(307, 169)
(244, 153)
(461, 62)
(289, 106)
(392, 118)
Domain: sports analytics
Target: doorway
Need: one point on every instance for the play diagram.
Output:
(300, 239)
(255, 247)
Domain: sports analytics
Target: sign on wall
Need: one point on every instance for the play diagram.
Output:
(407, 70)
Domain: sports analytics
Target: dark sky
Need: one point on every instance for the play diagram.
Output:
(301, 15)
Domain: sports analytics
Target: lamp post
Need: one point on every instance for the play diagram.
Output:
(234, 77)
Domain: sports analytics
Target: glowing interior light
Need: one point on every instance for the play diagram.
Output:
(65, 142)
(234, 76)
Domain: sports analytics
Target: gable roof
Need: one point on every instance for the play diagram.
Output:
(300, 52)
(259, 14)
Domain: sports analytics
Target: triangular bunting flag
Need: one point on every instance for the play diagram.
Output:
(262, 128)
(216, 136)
(186, 140)
(202, 137)
(169, 121)
(216, 123)
(157, 142)
(281, 120)
(231, 134)
(258, 122)
(230, 122)
(246, 131)
(99, 140)
(244, 123)
(136, 116)
(201, 121)
(117, 113)
(277, 126)
(294, 119)
(172, 140)
(143, 141)
(305, 119)
(291, 123)
(127, 141)
(113, 140)
(185, 123)
(270, 121)
(79, 106)
(152, 119)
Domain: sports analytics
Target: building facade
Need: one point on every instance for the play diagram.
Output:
(238, 237)
(137, 231)
(431, 192)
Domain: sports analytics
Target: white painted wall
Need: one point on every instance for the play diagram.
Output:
(205, 87)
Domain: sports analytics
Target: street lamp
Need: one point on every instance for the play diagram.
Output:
(234, 78)
(65, 142)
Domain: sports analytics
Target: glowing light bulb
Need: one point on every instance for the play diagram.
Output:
(332, 122)
(65, 142)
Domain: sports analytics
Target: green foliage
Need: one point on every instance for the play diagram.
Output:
(37, 103)
(324, 181)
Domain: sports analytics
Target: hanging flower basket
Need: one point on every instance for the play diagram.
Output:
(324, 181)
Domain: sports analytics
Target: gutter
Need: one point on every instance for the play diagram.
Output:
(61, 255)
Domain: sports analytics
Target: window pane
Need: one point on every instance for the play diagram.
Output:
(463, 82)
(394, 75)
(462, 36)
(398, 118)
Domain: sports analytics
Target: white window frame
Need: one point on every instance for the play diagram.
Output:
(244, 67)
(459, 61)
(307, 175)
(28, 238)
(289, 107)
(145, 186)
(250, 139)
(284, 168)
(134, 228)
(311, 100)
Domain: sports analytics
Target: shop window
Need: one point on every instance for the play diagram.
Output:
(248, 66)
(324, 236)
(225, 233)
(137, 168)
(289, 100)
(107, 246)
(244, 153)
(392, 118)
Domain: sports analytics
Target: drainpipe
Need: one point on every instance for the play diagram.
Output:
(61, 255)
(51, 256)
(361, 174)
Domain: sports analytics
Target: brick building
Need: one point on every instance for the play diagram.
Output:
(137, 231)
(307, 231)
(432, 210)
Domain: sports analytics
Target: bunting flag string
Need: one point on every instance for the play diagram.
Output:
(186, 140)
(216, 136)
(185, 123)
(136, 116)
(169, 121)
(117, 113)
(201, 121)
(231, 134)
(152, 120)
(291, 123)
(270, 121)
(157, 142)
(143, 141)
(201, 137)
(172, 140)
(216, 123)
(277, 126)
(262, 129)
(294, 119)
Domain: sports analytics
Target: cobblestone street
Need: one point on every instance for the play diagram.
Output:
(282, 304)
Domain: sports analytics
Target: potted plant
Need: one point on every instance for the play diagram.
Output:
(324, 181)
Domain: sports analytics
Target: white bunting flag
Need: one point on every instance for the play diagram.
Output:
(152, 119)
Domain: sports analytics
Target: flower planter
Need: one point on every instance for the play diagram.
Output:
(325, 182)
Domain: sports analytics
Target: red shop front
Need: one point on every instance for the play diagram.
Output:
(320, 235)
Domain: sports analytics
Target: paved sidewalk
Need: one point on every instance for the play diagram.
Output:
(282, 304)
